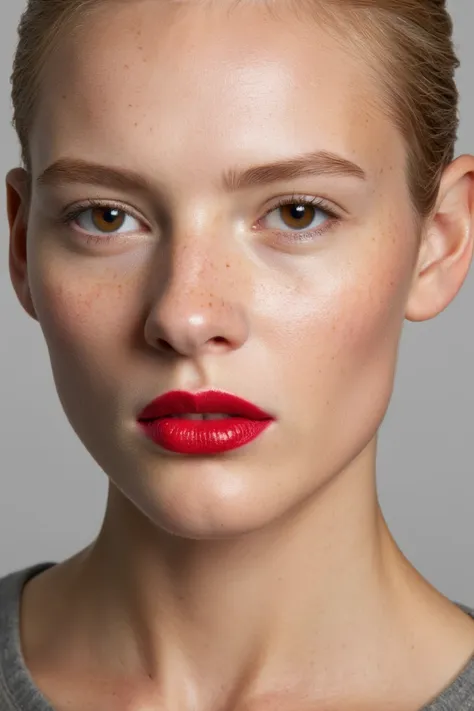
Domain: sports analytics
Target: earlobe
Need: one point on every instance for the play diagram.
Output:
(17, 199)
(446, 249)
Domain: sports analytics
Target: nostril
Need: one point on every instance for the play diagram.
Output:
(164, 345)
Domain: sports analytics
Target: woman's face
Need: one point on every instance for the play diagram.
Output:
(203, 286)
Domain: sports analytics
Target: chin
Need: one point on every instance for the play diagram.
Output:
(199, 507)
(207, 520)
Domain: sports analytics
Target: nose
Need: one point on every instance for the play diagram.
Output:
(198, 308)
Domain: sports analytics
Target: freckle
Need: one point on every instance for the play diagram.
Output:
(227, 266)
(64, 96)
(136, 123)
(125, 66)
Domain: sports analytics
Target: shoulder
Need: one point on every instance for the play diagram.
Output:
(11, 586)
(459, 695)
(12, 583)
(14, 682)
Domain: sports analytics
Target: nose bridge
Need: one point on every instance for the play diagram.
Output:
(196, 261)
(200, 300)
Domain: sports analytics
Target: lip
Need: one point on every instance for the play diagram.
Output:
(180, 402)
(202, 437)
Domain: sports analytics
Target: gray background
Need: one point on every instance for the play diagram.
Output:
(52, 494)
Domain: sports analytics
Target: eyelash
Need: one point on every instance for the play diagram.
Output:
(306, 235)
(296, 236)
(93, 204)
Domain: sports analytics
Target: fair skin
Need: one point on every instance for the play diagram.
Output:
(265, 577)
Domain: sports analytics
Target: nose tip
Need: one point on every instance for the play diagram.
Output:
(172, 329)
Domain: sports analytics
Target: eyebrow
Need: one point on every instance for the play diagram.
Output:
(316, 163)
(72, 170)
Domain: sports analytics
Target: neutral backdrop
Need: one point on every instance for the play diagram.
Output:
(52, 494)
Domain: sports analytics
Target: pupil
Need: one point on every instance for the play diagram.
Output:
(298, 212)
(110, 214)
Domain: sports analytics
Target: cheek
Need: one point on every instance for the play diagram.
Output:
(371, 310)
(341, 350)
(360, 364)
(82, 319)
(368, 319)
(74, 315)
(341, 310)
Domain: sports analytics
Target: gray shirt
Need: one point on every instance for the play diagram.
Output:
(19, 693)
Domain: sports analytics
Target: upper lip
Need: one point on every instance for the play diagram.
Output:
(180, 402)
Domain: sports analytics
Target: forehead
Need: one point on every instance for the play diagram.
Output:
(197, 85)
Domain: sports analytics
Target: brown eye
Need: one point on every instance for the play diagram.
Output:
(300, 219)
(107, 219)
(297, 215)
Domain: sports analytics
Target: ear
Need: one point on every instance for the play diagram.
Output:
(447, 246)
(18, 200)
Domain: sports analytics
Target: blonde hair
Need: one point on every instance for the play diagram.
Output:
(409, 43)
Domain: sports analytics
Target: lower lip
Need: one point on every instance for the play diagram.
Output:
(203, 436)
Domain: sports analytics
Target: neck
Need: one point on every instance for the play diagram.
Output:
(306, 598)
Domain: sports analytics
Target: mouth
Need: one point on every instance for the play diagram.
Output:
(200, 416)
(203, 424)
(207, 405)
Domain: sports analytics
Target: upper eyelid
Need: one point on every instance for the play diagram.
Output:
(316, 201)
(79, 208)
(76, 210)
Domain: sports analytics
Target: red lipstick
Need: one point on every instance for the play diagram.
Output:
(164, 421)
